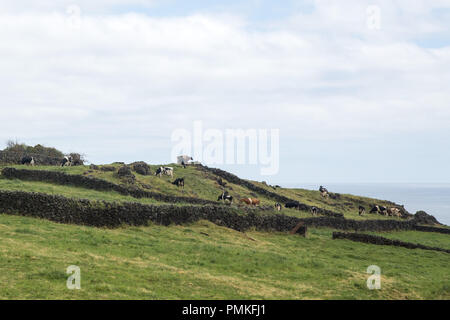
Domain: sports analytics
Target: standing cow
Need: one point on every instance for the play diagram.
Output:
(168, 171)
(250, 201)
(66, 161)
(225, 196)
(323, 192)
(28, 161)
(179, 182)
(394, 212)
(361, 210)
(379, 209)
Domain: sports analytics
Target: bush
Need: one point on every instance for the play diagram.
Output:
(77, 159)
(15, 151)
(126, 175)
(141, 167)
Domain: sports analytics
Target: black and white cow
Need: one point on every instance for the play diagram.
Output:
(164, 170)
(314, 210)
(379, 210)
(278, 206)
(66, 161)
(324, 192)
(179, 182)
(361, 210)
(375, 209)
(225, 196)
(28, 161)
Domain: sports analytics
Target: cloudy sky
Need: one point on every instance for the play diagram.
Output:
(354, 101)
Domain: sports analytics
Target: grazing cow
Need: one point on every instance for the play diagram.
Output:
(394, 212)
(361, 210)
(314, 210)
(164, 170)
(66, 161)
(375, 209)
(250, 201)
(28, 161)
(383, 210)
(324, 192)
(225, 196)
(277, 206)
(379, 209)
(179, 182)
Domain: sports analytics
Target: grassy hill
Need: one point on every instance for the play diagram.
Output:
(202, 260)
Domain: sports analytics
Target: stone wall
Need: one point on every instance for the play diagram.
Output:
(366, 238)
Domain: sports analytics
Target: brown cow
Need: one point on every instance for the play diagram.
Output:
(250, 201)
(394, 212)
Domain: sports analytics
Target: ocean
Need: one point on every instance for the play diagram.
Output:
(432, 198)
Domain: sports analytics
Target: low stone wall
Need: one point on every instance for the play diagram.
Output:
(272, 195)
(95, 184)
(366, 238)
(431, 229)
(111, 214)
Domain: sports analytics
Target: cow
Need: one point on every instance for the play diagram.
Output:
(394, 212)
(66, 161)
(383, 210)
(179, 182)
(250, 201)
(324, 192)
(361, 210)
(295, 205)
(375, 209)
(225, 196)
(28, 161)
(314, 210)
(164, 170)
(379, 209)
(277, 206)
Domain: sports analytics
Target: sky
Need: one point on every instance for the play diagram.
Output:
(357, 96)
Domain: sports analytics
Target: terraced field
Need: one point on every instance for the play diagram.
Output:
(202, 260)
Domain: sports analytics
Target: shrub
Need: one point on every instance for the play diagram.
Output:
(141, 167)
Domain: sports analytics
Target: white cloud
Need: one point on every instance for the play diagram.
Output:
(318, 75)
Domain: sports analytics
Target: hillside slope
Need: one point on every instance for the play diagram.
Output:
(204, 261)
(201, 259)
(199, 184)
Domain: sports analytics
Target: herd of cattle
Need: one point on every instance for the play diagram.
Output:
(179, 182)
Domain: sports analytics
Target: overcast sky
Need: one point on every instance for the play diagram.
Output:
(353, 103)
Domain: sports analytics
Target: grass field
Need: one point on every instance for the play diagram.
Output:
(182, 262)
(205, 261)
